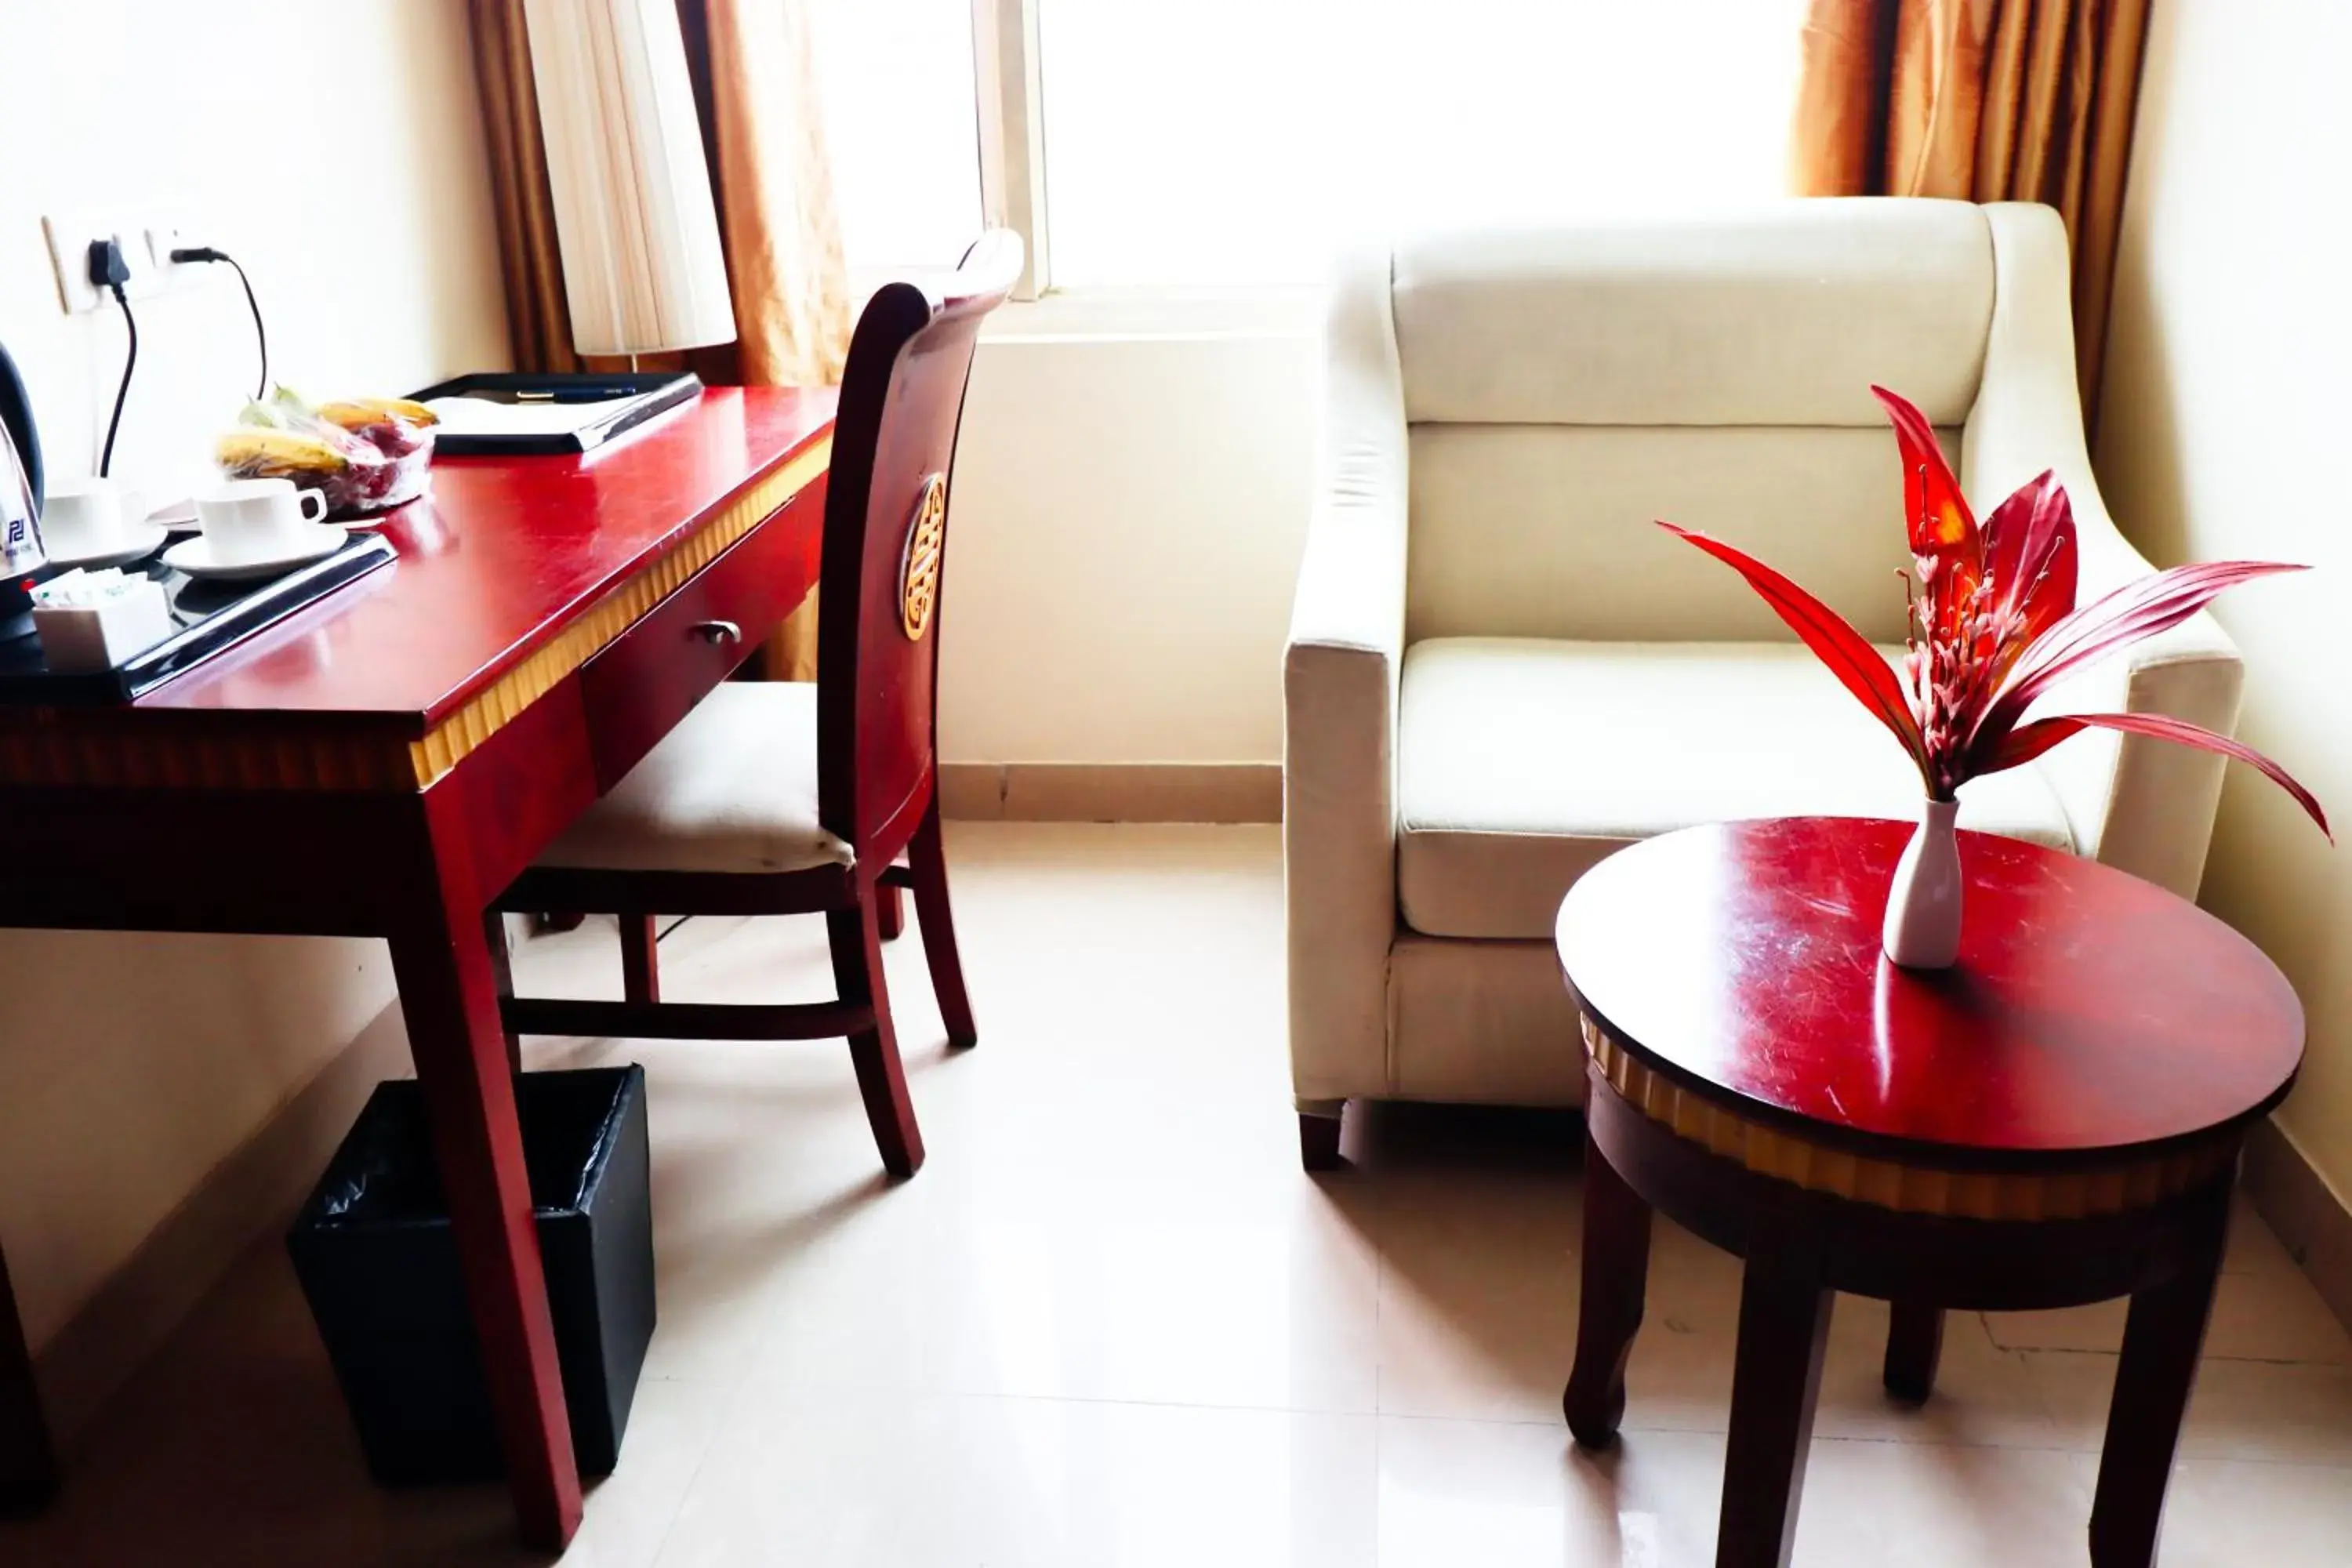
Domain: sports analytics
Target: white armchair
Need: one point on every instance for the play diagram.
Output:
(1498, 671)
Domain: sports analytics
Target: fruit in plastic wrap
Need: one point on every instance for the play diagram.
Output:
(253, 452)
(362, 454)
(393, 425)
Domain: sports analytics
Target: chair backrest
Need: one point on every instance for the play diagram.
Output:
(886, 515)
(1566, 387)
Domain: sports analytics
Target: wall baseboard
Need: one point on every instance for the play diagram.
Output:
(254, 1191)
(2299, 1204)
(1111, 792)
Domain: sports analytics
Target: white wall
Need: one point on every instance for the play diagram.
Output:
(2224, 427)
(1129, 511)
(335, 149)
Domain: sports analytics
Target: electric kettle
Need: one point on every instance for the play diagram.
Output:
(23, 561)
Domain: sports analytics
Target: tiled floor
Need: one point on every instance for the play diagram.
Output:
(1111, 1322)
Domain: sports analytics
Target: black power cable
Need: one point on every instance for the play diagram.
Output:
(111, 271)
(129, 364)
(260, 334)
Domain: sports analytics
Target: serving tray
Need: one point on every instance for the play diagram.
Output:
(211, 617)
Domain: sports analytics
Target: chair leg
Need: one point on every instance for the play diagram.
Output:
(494, 932)
(889, 910)
(926, 857)
(640, 960)
(857, 939)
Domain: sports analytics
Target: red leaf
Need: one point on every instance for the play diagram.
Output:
(1933, 507)
(2138, 609)
(2024, 744)
(1847, 652)
(2029, 545)
(1945, 540)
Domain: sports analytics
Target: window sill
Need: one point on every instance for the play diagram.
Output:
(1146, 315)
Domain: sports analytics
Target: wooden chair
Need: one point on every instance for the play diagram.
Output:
(771, 799)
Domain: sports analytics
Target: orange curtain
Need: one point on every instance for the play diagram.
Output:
(539, 322)
(755, 80)
(1984, 101)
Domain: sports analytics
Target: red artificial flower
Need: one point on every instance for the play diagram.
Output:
(1993, 624)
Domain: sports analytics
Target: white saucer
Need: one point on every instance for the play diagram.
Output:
(180, 517)
(195, 556)
(140, 540)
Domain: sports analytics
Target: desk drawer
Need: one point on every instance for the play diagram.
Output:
(638, 689)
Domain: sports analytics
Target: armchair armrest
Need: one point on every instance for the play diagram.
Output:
(2133, 801)
(1339, 706)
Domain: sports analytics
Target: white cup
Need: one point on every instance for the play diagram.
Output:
(86, 517)
(256, 520)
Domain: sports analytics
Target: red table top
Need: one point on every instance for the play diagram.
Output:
(500, 556)
(2089, 1010)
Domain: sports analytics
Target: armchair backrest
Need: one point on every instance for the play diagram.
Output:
(1564, 387)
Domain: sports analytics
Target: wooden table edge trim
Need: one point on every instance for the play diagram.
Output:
(2129, 1183)
(48, 748)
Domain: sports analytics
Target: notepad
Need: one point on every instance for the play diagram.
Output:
(481, 416)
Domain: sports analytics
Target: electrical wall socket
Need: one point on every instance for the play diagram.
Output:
(147, 237)
(167, 232)
(70, 240)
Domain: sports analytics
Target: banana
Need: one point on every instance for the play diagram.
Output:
(252, 450)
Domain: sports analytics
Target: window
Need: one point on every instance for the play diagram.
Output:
(1237, 142)
(896, 85)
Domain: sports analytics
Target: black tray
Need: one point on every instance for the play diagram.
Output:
(211, 617)
(654, 391)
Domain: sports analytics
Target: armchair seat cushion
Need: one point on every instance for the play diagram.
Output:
(1522, 762)
(732, 789)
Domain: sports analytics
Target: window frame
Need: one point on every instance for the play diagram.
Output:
(1009, 102)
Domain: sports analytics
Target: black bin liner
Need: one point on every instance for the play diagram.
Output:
(379, 1264)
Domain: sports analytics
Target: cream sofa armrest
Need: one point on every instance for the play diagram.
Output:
(1339, 706)
(2142, 805)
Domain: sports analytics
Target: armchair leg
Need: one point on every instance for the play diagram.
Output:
(889, 910)
(1318, 1139)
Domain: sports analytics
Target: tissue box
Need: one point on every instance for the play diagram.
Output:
(80, 639)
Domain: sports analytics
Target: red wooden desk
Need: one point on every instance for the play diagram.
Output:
(386, 762)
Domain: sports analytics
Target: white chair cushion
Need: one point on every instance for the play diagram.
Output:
(1522, 762)
(732, 788)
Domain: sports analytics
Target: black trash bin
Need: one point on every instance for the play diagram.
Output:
(377, 1260)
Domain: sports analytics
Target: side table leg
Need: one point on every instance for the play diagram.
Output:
(2163, 1337)
(1784, 1326)
(29, 1467)
(1616, 1276)
(449, 998)
(1914, 1343)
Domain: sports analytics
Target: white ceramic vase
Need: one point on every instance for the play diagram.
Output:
(1923, 904)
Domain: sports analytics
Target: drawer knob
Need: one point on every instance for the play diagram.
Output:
(718, 631)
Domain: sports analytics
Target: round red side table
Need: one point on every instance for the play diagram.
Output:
(2053, 1121)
